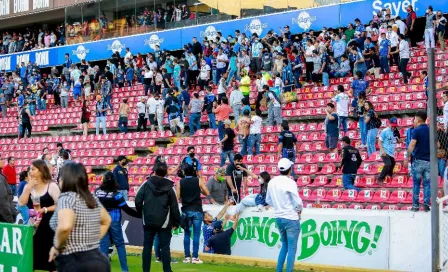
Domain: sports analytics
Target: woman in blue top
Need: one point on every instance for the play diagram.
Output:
(372, 131)
(256, 200)
(233, 70)
(129, 75)
(113, 201)
(120, 76)
(176, 73)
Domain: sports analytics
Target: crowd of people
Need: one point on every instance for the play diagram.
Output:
(278, 62)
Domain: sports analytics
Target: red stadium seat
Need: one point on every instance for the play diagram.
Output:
(332, 157)
(349, 195)
(339, 206)
(318, 194)
(364, 196)
(305, 194)
(397, 197)
(373, 207)
(333, 195)
(391, 207)
(398, 181)
(336, 181)
(327, 169)
(356, 206)
(319, 181)
(381, 195)
(303, 181)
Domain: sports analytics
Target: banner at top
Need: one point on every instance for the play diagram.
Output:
(299, 21)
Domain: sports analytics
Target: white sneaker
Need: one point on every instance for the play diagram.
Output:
(196, 261)
(187, 260)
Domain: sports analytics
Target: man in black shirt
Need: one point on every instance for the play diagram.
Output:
(235, 177)
(286, 142)
(351, 160)
(193, 161)
(227, 143)
(220, 242)
(108, 74)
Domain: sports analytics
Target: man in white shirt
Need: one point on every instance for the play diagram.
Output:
(403, 50)
(221, 64)
(401, 25)
(236, 102)
(282, 195)
(151, 106)
(142, 114)
(159, 111)
(392, 36)
(342, 101)
(127, 56)
(254, 134)
(445, 110)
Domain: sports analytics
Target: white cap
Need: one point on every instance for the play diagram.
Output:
(284, 164)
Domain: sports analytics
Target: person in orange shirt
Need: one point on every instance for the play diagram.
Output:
(222, 112)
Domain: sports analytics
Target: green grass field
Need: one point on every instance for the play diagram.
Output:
(135, 264)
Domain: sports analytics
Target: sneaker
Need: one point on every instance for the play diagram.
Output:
(174, 261)
(414, 209)
(426, 208)
(196, 261)
(158, 260)
(187, 260)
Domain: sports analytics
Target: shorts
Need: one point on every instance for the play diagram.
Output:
(331, 142)
(87, 92)
(176, 123)
(76, 95)
(152, 119)
(8, 97)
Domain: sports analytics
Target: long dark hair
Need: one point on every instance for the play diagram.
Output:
(109, 183)
(74, 179)
(43, 169)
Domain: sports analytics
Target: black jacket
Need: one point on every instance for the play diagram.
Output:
(351, 160)
(7, 210)
(157, 202)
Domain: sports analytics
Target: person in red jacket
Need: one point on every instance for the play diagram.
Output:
(9, 171)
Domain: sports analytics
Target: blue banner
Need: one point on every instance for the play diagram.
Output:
(299, 21)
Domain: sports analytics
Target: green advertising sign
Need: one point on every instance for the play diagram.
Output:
(16, 248)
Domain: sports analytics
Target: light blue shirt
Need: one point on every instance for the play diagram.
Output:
(256, 49)
(339, 48)
(388, 140)
(191, 59)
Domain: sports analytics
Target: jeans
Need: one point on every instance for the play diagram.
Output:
(177, 83)
(421, 171)
(343, 122)
(248, 201)
(243, 143)
(220, 130)
(24, 212)
(92, 260)
(224, 155)
(384, 64)
(13, 189)
(237, 111)
(388, 168)
(102, 120)
(195, 122)
(340, 74)
(215, 76)
(148, 241)
(371, 140)
(232, 73)
(32, 108)
(115, 234)
(211, 117)
(325, 79)
(124, 193)
(160, 121)
(64, 102)
(123, 124)
(219, 73)
(429, 38)
(253, 141)
(4, 110)
(195, 222)
(363, 130)
(41, 104)
(274, 115)
(157, 247)
(441, 163)
(348, 180)
(107, 99)
(289, 233)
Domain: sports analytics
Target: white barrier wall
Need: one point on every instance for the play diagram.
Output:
(396, 240)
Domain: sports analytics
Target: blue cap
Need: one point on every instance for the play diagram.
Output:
(393, 121)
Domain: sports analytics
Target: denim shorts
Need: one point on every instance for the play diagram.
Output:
(331, 142)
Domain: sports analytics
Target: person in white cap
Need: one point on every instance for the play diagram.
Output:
(283, 196)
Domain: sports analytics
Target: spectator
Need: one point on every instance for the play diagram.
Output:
(344, 68)
(286, 142)
(189, 191)
(204, 75)
(309, 55)
(79, 222)
(256, 200)
(7, 210)
(142, 114)
(392, 36)
(222, 113)
(359, 64)
(209, 100)
(256, 51)
(431, 24)
(419, 154)
(157, 202)
(331, 128)
(410, 20)
(227, 143)
(3, 104)
(64, 91)
(361, 112)
(121, 176)
(350, 163)
(25, 119)
(372, 130)
(151, 106)
(232, 71)
(403, 50)
(384, 52)
(220, 242)
(359, 85)
(440, 30)
(245, 83)
(129, 74)
(9, 171)
(194, 162)
(242, 127)
(221, 64)
(106, 92)
(160, 106)
(195, 108)
(339, 47)
(254, 140)
(349, 33)
(101, 112)
(23, 209)
(235, 178)
(282, 195)
(113, 201)
(173, 109)
(387, 141)
(210, 221)
(274, 106)
(222, 87)
(236, 102)
(123, 110)
(85, 117)
(342, 102)
(217, 187)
